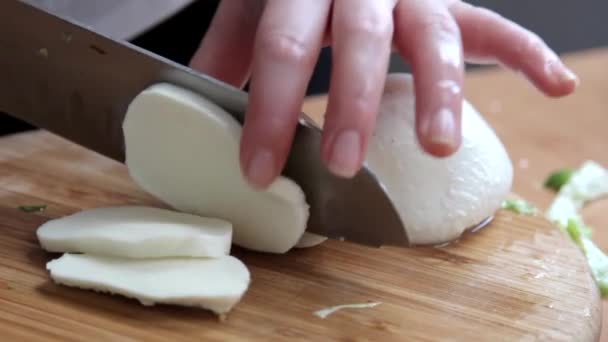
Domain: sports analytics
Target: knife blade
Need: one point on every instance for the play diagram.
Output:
(61, 76)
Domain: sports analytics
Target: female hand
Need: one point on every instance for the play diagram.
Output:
(276, 43)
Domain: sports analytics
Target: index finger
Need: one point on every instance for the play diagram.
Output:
(287, 45)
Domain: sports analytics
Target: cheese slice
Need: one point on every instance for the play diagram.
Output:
(137, 232)
(216, 284)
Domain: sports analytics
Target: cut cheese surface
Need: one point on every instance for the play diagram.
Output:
(137, 232)
(184, 150)
(216, 284)
(309, 240)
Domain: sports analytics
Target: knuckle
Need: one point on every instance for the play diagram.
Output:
(371, 24)
(532, 45)
(276, 125)
(488, 14)
(284, 47)
(361, 106)
(435, 24)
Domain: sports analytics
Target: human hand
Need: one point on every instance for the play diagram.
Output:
(276, 43)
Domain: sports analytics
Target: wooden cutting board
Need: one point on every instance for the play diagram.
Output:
(518, 279)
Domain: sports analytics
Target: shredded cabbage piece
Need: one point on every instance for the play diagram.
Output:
(597, 260)
(588, 183)
(324, 313)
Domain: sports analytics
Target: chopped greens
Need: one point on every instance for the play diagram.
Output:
(588, 183)
(596, 259)
(598, 263)
(519, 206)
(575, 230)
(33, 208)
(558, 178)
(575, 189)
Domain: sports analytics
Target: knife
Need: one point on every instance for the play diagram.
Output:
(61, 76)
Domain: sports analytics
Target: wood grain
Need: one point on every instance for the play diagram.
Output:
(544, 134)
(518, 279)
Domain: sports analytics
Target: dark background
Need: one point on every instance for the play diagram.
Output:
(566, 25)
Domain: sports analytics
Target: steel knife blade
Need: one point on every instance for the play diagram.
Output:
(63, 77)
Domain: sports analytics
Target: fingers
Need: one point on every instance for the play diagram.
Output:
(288, 42)
(362, 34)
(226, 50)
(488, 37)
(428, 36)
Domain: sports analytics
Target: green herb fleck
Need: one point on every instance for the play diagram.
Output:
(33, 208)
(576, 228)
(576, 232)
(519, 206)
(558, 179)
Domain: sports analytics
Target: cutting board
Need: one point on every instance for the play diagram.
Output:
(518, 279)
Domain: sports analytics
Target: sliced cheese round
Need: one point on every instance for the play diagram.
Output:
(184, 150)
(137, 232)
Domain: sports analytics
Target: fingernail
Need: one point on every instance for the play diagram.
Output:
(562, 74)
(345, 154)
(570, 76)
(261, 168)
(441, 128)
